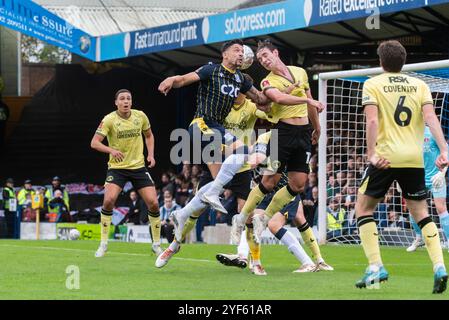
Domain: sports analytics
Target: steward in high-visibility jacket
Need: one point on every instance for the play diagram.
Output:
(49, 194)
(335, 219)
(26, 190)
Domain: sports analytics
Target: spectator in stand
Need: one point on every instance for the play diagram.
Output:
(229, 202)
(58, 205)
(310, 205)
(196, 171)
(26, 191)
(10, 207)
(335, 218)
(183, 191)
(137, 210)
(167, 184)
(54, 212)
(313, 163)
(332, 187)
(397, 221)
(186, 171)
(312, 181)
(167, 225)
(350, 225)
(341, 179)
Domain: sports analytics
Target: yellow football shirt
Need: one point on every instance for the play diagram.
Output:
(240, 122)
(279, 111)
(399, 99)
(125, 135)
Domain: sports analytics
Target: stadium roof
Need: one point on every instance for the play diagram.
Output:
(104, 17)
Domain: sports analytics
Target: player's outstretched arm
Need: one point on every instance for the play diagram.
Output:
(97, 144)
(258, 98)
(149, 142)
(435, 128)
(289, 100)
(178, 82)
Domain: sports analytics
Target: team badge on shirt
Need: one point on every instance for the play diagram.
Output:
(237, 78)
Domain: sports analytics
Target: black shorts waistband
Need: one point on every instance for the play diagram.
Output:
(283, 125)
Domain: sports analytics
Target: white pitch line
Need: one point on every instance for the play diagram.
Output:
(109, 252)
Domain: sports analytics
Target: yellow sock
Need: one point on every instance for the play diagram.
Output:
(190, 223)
(188, 226)
(106, 218)
(254, 198)
(370, 239)
(280, 199)
(431, 238)
(310, 240)
(155, 225)
(254, 248)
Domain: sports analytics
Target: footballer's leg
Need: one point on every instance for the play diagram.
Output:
(231, 165)
(412, 182)
(149, 196)
(432, 240)
(309, 238)
(369, 237)
(255, 197)
(276, 226)
(144, 184)
(111, 194)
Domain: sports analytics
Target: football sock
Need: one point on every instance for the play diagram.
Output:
(243, 248)
(280, 199)
(106, 218)
(155, 226)
(229, 168)
(369, 237)
(432, 240)
(310, 241)
(195, 205)
(190, 224)
(293, 245)
(254, 198)
(254, 247)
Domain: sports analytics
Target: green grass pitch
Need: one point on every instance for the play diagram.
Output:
(37, 270)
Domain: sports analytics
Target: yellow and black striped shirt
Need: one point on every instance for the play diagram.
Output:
(218, 88)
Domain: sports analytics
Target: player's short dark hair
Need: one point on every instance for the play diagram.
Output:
(228, 44)
(121, 91)
(392, 55)
(266, 44)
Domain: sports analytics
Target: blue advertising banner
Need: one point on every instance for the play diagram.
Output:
(256, 21)
(31, 19)
(326, 11)
(173, 36)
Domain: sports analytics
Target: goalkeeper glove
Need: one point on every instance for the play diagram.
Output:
(439, 179)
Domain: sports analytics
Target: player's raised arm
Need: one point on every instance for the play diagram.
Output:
(178, 82)
(435, 128)
(289, 100)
